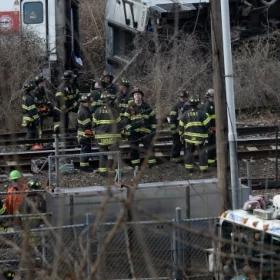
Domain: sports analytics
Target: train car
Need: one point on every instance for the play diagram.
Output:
(126, 18)
(54, 23)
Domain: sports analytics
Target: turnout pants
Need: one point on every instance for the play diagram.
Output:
(211, 148)
(106, 162)
(176, 146)
(33, 131)
(146, 140)
(61, 120)
(85, 144)
(189, 156)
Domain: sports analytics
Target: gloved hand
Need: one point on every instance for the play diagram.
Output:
(125, 133)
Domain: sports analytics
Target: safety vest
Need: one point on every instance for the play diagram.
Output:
(13, 200)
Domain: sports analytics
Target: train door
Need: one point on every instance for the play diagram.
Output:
(72, 58)
(34, 19)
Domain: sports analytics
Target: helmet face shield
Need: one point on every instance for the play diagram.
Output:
(39, 79)
(125, 83)
(194, 101)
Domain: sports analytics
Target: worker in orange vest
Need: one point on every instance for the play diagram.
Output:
(14, 199)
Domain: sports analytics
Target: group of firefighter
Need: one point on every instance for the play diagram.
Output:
(110, 112)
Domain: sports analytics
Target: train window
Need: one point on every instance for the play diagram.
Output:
(123, 42)
(33, 13)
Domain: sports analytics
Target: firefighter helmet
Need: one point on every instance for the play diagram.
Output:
(137, 90)
(85, 98)
(28, 86)
(125, 82)
(104, 81)
(210, 92)
(194, 100)
(184, 94)
(34, 184)
(39, 79)
(15, 175)
(107, 74)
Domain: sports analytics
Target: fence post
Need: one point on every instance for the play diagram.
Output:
(98, 251)
(88, 246)
(56, 161)
(276, 154)
(119, 167)
(43, 245)
(49, 171)
(177, 246)
(249, 179)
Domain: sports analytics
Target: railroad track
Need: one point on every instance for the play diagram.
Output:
(250, 146)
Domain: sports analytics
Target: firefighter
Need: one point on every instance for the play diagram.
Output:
(175, 114)
(209, 109)
(14, 200)
(96, 97)
(193, 131)
(85, 132)
(140, 127)
(42, 100)
(66, 99)
(124, 97)
(31, 117)
(106, 82)
(106, 123)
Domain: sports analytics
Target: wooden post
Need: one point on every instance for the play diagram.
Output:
(220, 102)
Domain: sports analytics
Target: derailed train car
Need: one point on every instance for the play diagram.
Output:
(54, 23)
(126, 18)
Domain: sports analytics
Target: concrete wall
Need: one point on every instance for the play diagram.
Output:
(197, 198)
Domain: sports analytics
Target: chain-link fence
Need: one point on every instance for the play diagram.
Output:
(124, 250)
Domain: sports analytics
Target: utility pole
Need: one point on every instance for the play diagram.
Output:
(220, 101)
(232, 134)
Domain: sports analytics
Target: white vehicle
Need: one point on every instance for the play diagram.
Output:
(126, 18)
(248, 244)
(54, 22)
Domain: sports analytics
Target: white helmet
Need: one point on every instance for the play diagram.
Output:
(210, 92)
